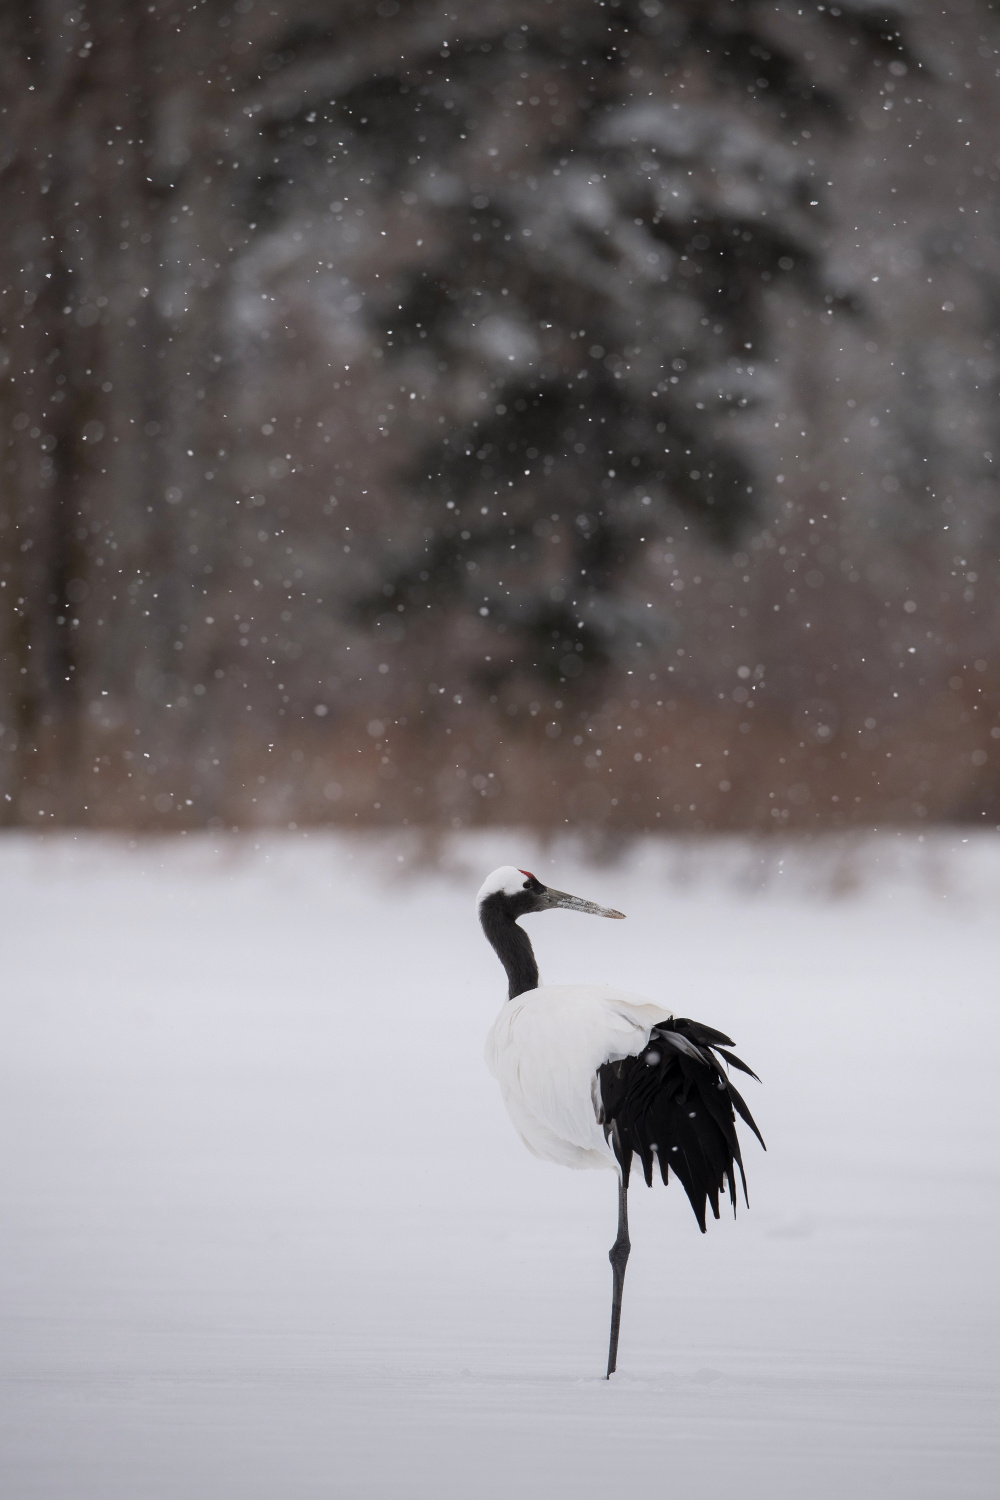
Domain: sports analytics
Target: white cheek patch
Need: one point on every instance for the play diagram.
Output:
(506, 879)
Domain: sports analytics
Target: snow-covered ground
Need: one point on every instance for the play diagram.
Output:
(267, 1233)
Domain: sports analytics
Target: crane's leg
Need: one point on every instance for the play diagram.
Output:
(618, 1256)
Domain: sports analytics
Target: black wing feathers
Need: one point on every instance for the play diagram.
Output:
(736, 1062)
(674, 1103)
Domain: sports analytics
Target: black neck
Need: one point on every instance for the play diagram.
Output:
(511, 944)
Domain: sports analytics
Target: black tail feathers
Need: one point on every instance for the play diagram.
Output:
(675, 1104)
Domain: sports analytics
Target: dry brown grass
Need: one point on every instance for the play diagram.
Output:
(680, 766)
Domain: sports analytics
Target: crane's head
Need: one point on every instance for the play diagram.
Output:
(508, 894)
(514, 893)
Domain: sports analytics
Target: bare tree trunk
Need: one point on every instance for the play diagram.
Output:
(111, 343)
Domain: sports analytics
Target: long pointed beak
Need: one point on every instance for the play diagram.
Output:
(576, 903)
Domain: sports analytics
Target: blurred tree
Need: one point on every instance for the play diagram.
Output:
(607, 194)
(110, 342)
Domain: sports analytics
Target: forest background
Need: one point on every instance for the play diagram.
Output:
(572, 412)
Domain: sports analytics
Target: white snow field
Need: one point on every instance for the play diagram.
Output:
(267, 1233)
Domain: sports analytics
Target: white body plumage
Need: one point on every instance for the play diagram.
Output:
(544, 1050)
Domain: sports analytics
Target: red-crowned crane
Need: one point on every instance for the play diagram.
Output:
(591, 1074)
